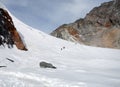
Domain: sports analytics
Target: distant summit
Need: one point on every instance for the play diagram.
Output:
(8, 33)
(100, 27)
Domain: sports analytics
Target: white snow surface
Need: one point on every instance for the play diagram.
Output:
(77, 65)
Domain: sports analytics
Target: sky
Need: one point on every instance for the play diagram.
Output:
(47, 15)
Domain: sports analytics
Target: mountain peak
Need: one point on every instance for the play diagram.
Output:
(100, 27)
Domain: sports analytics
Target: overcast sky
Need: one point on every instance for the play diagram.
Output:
(47, 15)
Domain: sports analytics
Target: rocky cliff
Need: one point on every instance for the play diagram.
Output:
(100, 27)
(8, 33)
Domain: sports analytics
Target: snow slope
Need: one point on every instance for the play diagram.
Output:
(77, 65)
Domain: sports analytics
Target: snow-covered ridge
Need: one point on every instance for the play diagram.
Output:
(77, 65)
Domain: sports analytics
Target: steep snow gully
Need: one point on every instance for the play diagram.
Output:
(77, 65)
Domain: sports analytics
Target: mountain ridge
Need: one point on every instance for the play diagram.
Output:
(100, 27)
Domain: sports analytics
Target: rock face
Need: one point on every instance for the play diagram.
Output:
(8, 33)
(100, 27)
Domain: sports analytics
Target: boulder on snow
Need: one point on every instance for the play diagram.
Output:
(46, 65)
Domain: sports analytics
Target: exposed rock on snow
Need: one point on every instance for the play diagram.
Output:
(8, 33)
(100, 27)
(2, 66)
(10, 59)
(46, 65)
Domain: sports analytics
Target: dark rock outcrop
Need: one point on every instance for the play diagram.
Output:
(100, 27)
(8, 33)
(46, 65)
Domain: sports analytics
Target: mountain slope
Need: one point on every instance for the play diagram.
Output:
(100, 27)
(77, 65)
